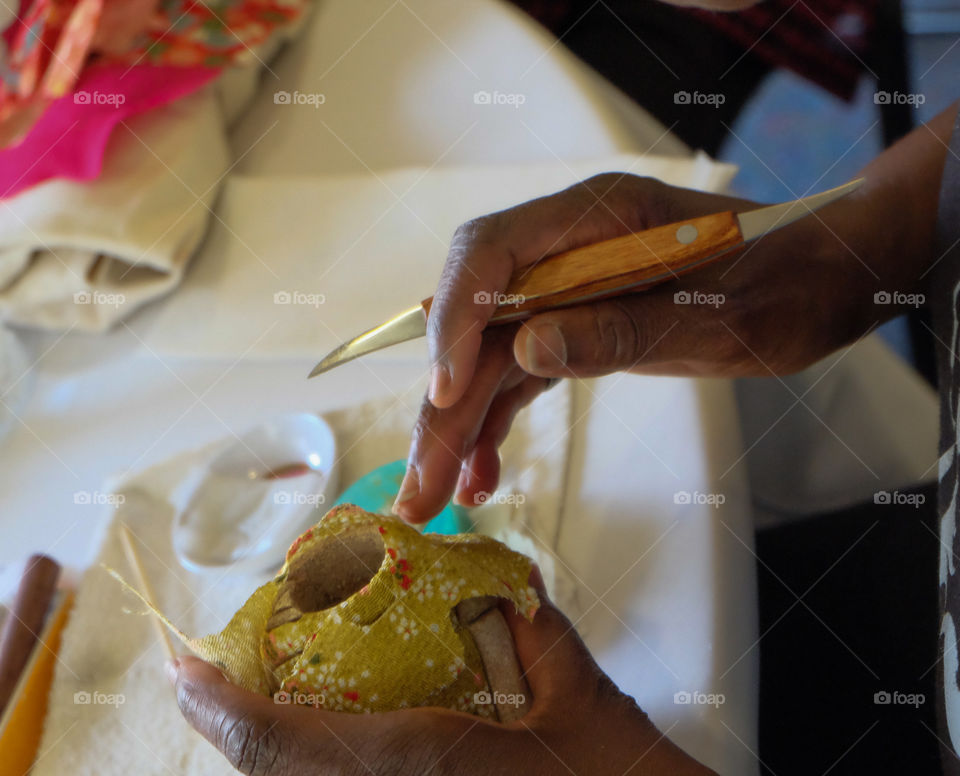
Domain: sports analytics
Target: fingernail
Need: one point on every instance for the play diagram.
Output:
(546, 349)
(170, 668)
(439, 381)
(409, 488)
(462, 481)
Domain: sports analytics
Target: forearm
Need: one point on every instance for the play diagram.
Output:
(889, 224)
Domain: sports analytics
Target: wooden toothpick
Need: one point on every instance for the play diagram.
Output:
(134, 560)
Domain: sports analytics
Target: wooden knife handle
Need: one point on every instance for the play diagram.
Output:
(621, 265)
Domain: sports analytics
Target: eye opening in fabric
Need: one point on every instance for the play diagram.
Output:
(332, 571)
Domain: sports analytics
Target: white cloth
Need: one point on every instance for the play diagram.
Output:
(297, 265)
(657, 531)
(403, 86)
(856, 425)
(108, 650)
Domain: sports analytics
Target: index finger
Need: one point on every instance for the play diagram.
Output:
(486, 251)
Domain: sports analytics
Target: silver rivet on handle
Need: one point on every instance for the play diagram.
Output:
(686, 234)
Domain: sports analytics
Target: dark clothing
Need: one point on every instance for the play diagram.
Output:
(866, 623)
(825, 41)
(945, 302)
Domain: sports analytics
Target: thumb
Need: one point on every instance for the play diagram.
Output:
(605, 337)
(555, 661)
(255, 734)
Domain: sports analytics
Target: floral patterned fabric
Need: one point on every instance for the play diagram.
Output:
(214, 33)
(45, 50)
(390, 645)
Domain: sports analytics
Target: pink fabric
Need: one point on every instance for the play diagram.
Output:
(70, 139)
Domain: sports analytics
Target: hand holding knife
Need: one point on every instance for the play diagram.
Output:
(627, 264)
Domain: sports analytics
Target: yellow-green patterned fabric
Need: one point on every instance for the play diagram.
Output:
(389, 646)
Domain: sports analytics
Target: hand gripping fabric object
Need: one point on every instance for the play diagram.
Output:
(367, 614)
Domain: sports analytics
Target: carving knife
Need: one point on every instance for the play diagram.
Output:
(627, 264)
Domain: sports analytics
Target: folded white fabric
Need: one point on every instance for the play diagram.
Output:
(111, 710)
(82, 255)
(295, 265)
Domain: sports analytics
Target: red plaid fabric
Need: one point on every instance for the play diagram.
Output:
(824, 41)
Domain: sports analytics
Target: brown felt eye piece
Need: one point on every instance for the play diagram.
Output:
(482, 618)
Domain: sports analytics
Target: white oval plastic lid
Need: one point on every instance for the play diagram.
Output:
(259, 493)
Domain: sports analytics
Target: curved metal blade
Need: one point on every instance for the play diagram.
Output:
(409, 325)
(756, 223)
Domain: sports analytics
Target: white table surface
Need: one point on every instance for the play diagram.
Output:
(668, 589)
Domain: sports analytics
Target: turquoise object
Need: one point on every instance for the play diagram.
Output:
(377, 490)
